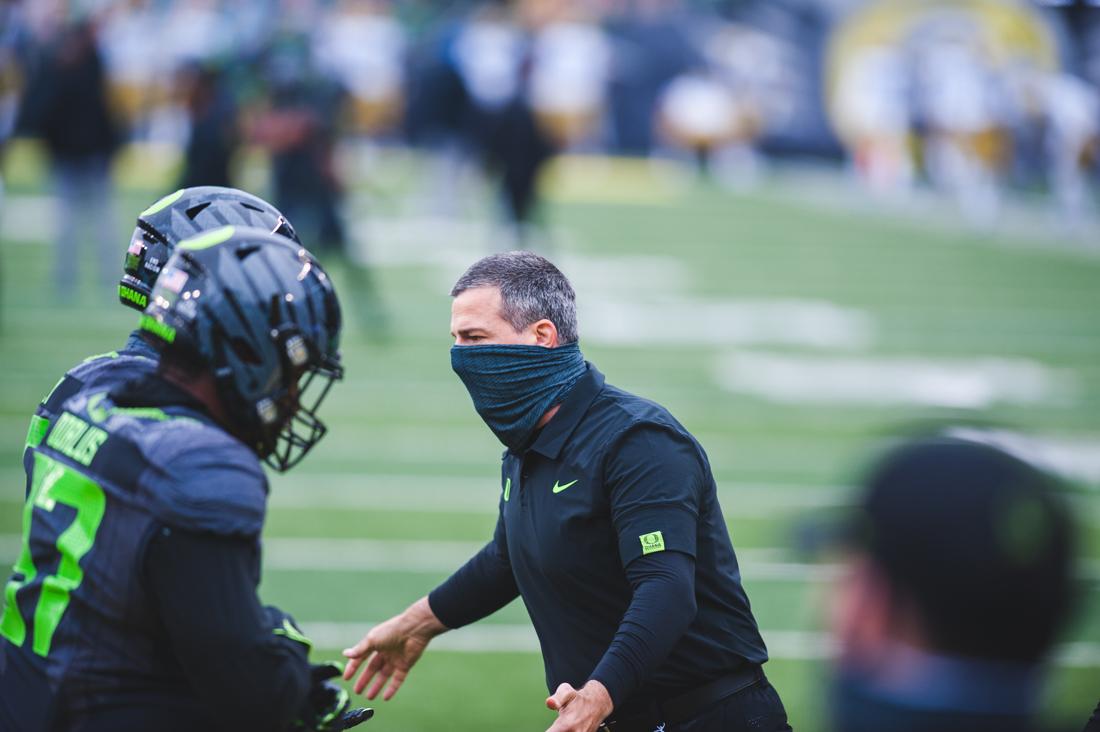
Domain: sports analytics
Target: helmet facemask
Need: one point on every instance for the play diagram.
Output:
(303, 428)
(262, 315)
(288, 423)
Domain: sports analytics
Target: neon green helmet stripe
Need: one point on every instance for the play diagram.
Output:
(162, 203)
(208, 239)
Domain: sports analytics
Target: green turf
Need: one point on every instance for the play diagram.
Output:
(402, 415)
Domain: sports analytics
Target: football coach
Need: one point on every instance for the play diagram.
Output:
(609, 528)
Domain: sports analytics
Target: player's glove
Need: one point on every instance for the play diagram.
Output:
(327, 705)
(284, 625)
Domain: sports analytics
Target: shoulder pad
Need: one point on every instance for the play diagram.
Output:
(205, 479)
(109, 369)
(102, 372)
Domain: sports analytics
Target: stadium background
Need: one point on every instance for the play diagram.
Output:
(793, 321)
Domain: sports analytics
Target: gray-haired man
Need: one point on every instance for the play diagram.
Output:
(609, 529)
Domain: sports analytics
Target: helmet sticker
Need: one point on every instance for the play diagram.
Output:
(296, 351)
(173, 279)
(267, 410)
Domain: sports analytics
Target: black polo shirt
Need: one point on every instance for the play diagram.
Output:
(612, 477)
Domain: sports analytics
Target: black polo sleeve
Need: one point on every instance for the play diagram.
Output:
(479, 588)
(661, 609)
(655, 477)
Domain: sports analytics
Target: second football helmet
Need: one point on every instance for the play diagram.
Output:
(186, 213)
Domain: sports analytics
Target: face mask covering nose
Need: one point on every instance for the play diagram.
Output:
(513, 386)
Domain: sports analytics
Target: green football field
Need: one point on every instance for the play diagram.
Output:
(792, 333)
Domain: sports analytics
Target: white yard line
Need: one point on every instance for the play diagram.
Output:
(757, 564)
(785, 645)
(366, 555)
(1077, 458)
(451, 244)
(22, 217)
(684, 321)
(620, 315)
(386, 492)
(968, 383)
(434, 557)
(420, 494)
(480, 497)
(477, 638)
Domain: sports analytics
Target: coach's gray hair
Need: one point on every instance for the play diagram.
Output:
(531, 288)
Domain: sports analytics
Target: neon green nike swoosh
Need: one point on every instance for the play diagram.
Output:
(560, 488)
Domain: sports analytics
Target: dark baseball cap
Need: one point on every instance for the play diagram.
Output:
(977, 539)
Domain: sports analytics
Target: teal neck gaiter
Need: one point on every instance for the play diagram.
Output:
(512, 386)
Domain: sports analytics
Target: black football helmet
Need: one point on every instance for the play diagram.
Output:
(261, 314)
(186, 213)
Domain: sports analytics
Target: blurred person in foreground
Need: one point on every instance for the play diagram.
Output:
(65, 104)
(133, 603)
(609, 529)
(1094, 721)
(957, 582)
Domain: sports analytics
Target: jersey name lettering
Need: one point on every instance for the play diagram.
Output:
(76, 438)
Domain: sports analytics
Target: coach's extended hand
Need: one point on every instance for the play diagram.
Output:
(391, 648)
(579, 710)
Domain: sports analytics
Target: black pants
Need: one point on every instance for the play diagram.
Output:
(755, 709)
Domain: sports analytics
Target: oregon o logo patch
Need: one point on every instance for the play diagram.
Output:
(652, 542)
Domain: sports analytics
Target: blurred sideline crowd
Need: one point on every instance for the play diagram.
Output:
(970, 96)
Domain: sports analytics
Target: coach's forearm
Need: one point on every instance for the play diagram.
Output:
(661, 610)
(479, 588)
(420, 619)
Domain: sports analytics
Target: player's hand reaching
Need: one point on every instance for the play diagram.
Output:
(327, 706)
(391, 648)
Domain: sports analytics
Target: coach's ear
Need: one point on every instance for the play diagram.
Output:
(546, 333)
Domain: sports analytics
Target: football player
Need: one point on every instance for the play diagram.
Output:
(160, 227)
(133, 603)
